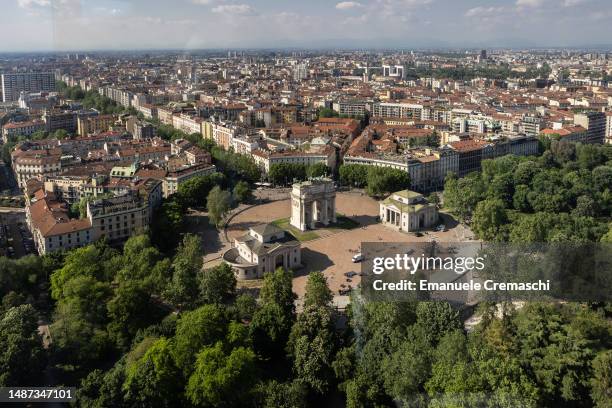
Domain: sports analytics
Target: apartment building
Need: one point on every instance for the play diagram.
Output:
(428, 168)
(595, 125)
(165, 115)
(60, 120)
(397, 110)
(115, 218)
(94, 124)
(35, 163)
(14, 129)
(121, 96)
(147, 110)
(178, 176)
(351, 107)
(51, 226)
(67, 188)
(15, 83)
(266, 159)
(120, 217)
(187, 123)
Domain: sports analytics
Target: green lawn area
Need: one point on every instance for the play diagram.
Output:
(343, 223)
(299, 235)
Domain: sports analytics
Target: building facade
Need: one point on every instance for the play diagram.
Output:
(15, 83)
(408, 211)
(263, 249)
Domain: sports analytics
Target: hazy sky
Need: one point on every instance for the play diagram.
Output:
(27, 25)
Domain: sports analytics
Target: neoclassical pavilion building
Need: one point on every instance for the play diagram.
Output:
(263, 249)
(408, 211)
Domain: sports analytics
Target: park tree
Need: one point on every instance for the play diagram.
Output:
(144, 263)
(22, 275)
(154, 379)
(22, 357)
(85, 298)
(60, 134)
(317, 170)
(245, 304)
(601, 382)
(406, 369)
(271, 324)
(437, 319)
(312, 345)
(194, 192)
(434, 198)
(222, 379)
(462, 195)
(277, 289)
(217, 284)
(201, 327)
(283, 395)
(103, 389)
(130, 310)
(585, 207)
(383, 180)
(520, 200)
(283, 174)
(489, 218)
(242, 192)
(269, 330)
(317, 291)
(353, 175)
(218, 203)
(167, 224)
(524, 172)
(95, 261)
(187, 264)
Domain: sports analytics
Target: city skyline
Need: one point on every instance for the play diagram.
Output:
(59, 25)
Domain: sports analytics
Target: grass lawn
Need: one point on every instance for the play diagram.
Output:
(342, 223)
(283, 223)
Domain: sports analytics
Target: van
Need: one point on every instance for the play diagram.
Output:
(358, 257)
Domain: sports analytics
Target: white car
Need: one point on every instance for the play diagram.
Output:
(358, 257)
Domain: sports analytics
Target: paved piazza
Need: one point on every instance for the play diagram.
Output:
(332, 253)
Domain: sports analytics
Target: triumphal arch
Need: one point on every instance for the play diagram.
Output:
(312, 202)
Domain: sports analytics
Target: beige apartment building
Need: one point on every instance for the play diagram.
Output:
(94, 124)
(115, 218)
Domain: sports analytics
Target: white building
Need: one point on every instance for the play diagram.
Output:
(263, 249)
(15, 83)
(408, 211)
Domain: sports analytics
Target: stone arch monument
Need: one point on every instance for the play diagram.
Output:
(313, 201)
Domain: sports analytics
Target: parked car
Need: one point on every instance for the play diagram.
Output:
(350, 274)
(358, 257)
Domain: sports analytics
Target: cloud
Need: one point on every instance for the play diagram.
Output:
(237, 9)
(356, 20)
(572, 3)
(32, 3)
(529, 3)
(483, 11)
(346, 5)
